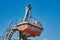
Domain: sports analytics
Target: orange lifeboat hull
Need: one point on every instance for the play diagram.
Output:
(29, 29)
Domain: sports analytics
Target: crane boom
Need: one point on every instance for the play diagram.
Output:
(27, 12)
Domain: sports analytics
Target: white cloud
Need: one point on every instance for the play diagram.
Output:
(45, 39)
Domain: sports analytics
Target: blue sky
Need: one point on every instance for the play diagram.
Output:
(46, 11)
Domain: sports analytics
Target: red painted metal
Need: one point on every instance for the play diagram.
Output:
(30, 29)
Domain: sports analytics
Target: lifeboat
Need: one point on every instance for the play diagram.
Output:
(30, 28)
